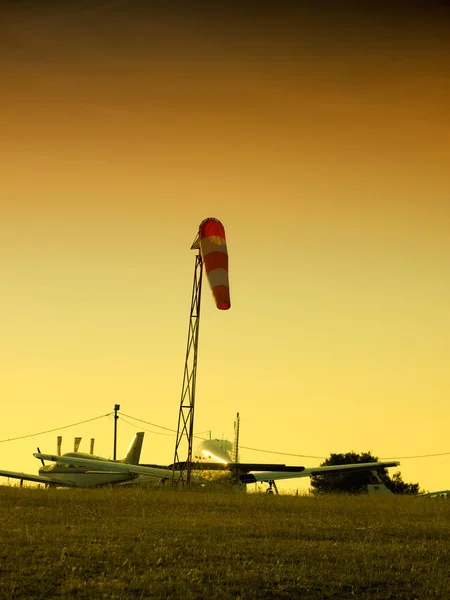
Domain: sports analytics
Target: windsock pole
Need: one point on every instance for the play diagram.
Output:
(181, 473)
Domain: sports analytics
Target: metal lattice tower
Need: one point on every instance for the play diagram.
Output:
(185, 432)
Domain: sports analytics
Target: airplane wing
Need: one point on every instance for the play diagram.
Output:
(241, 467)
(441, 493)
(252, 477)
(105, 465)
(36, 478)
(371, 466)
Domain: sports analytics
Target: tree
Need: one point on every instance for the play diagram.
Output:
(356, 482)
(398, 486)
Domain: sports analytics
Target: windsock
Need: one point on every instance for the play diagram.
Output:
(214, 253)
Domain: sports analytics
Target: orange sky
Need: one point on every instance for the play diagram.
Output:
(323, 146)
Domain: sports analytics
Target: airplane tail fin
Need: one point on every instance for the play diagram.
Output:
(377, 487)
(235, 448)
(134, 451)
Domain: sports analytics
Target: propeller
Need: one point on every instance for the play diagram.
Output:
(42, 460)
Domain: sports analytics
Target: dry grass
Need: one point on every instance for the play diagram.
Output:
(130, 542)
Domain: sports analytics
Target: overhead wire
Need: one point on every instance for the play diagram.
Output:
(144, 429)
(281, 453)
(324, 457)
(147, 422)
(287, 453)
(22, 437)
(417, 456)
(173, 432)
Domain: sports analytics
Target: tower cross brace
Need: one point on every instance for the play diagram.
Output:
(181, 474)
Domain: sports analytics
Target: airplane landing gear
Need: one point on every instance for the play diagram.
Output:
(272, 486)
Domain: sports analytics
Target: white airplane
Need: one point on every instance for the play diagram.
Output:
(221, 455)
(211, 455)
(440, 494)
(76, 469)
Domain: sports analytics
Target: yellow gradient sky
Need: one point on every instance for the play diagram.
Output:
(320, 140)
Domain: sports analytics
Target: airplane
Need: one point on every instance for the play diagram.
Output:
(440, 494)
(211, 456)
(221, 455)
(76, 469)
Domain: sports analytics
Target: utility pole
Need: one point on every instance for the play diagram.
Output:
(116, 416)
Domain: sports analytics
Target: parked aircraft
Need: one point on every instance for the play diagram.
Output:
(211, 455)
(221, 455)
(440, 494)
(76, 469)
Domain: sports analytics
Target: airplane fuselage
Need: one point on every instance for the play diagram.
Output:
(83, 476)
(80, 476)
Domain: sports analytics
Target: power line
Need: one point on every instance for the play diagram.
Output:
(148, 422)
(418, 456)
(173, 431)
(290, 453)
(155, 425)
(143, 428)
(281, 453)
(22, 437)
(324, 457)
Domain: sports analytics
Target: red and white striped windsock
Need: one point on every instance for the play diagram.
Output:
(214, 253)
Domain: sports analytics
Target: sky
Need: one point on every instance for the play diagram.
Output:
(319, 134)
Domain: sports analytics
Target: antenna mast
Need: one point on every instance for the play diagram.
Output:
(235, 449)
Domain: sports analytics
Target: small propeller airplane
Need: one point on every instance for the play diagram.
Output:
(76, 469)
(221, 455)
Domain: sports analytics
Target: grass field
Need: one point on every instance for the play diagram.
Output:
(131, 542)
